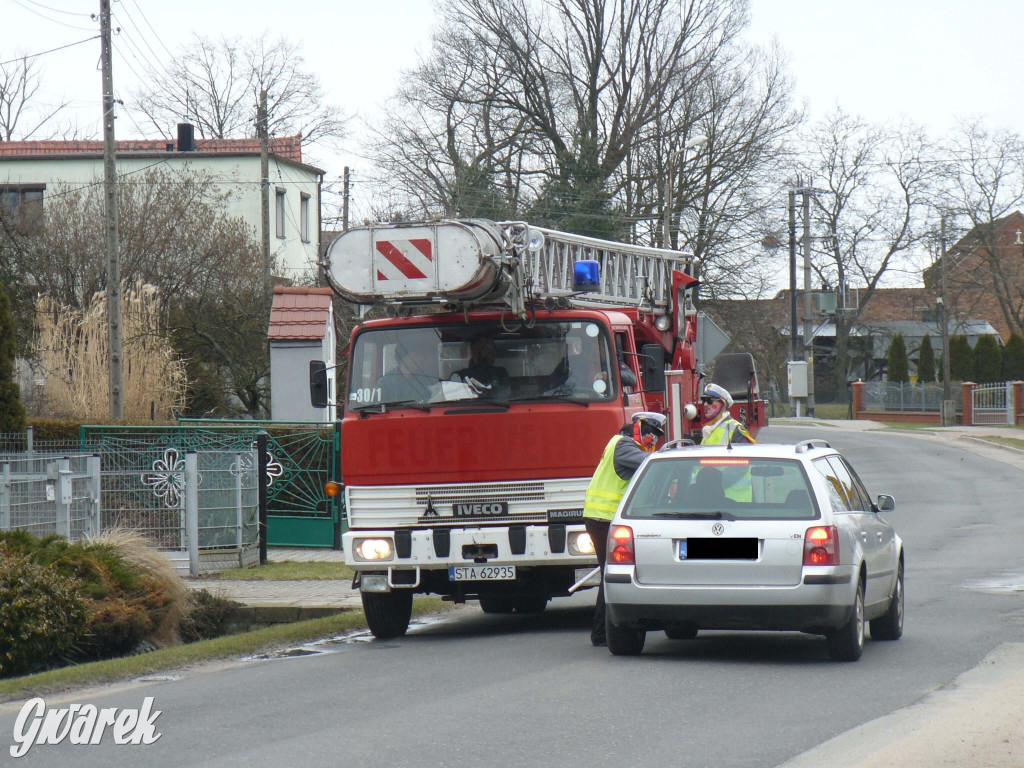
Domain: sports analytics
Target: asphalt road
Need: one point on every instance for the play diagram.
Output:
(476, 690)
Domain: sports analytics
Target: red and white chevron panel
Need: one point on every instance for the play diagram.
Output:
(405, 259)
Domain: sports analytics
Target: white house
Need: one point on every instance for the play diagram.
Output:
(29, 168)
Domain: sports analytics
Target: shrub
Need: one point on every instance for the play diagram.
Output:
(961, 359)
(925, 361)
(42, 619)
(1013, 358)
(898, 369)
(988, 360)
(125, 602)
(207, 616)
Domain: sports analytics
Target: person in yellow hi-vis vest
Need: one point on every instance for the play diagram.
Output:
(622, 457)
(721, 428)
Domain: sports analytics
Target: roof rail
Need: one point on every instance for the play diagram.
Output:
(805, 445)
(683, 442)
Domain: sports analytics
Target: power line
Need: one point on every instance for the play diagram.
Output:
(48, 18)
(52, 50)
(155, 34)
(59, 10)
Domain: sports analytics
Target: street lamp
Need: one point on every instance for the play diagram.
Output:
(695, 142)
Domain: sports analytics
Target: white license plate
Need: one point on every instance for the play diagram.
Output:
(481, 572)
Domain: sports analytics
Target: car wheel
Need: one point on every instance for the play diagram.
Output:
(623, 641)
(847, 642)
(534, 602)
(496, 604)
(388, 613)
(890, 626)
(686, 631)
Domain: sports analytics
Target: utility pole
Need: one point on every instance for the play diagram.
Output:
(261, 127)
(344, 202)
(943, 319)
(808, 314)
(794, 346)
(114, 337)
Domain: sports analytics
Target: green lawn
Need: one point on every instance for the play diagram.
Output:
(165, 659)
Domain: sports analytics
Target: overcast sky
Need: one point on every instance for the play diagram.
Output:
(930, 61)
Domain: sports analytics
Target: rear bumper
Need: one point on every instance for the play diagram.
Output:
(820, 603)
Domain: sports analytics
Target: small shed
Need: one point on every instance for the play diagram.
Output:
(301, 330)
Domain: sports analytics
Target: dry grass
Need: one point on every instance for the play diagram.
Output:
(136, 549)
(73, 353)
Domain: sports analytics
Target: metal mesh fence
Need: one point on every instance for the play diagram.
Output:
(892, 396)
(47, 495)
(228, 499)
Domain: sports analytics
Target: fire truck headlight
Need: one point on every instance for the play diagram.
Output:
(369, 550)
(663, 323)
(580, 543)
(690, 411)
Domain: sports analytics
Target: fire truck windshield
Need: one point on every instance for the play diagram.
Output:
(421, 365)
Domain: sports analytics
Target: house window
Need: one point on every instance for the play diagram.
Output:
(279, 206)
(304, 217)
(21, 207)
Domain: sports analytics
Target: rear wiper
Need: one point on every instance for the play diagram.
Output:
(717, 515)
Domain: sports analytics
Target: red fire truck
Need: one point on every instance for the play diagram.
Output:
(475, 413)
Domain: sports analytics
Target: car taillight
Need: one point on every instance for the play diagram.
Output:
(620, 545)
(821, 545)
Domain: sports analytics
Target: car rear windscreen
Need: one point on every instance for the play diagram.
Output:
(744, 488)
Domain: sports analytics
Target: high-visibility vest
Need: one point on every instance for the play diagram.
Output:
(741, 490)
(721, 434)
(606, 487)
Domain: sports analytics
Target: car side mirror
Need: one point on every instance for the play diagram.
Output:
(318, 383)
(886, 503)
(652, 362)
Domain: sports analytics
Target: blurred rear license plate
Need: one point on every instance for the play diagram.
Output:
(718, 549)
(481, 572)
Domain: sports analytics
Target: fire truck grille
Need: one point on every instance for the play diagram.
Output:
(435, 505)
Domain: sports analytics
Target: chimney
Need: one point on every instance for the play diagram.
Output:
(186, 137)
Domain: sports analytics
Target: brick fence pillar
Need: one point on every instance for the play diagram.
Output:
(1018, 406)
(968, 403)
(857, 399)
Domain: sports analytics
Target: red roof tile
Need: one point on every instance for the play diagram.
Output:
(287, 147)
(299, 313)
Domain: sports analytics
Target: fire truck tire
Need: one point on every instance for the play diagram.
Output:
(496, 604)
(534, 602)
(388, 613)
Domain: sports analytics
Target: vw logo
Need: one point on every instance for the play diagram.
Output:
(718, 529)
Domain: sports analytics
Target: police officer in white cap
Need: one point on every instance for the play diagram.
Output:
(720, 428)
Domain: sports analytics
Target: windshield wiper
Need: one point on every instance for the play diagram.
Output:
(716, 515)
(383, 407)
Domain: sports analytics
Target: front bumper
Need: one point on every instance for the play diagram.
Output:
(421, 557)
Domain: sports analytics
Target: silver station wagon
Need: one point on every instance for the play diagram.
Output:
(752, 537)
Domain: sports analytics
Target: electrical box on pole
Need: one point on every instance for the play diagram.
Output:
(796, 372)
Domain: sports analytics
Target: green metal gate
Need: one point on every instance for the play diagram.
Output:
(303, 456)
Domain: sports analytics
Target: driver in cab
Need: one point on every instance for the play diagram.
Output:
(481, 373)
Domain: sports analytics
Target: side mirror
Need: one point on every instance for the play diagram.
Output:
(886, 503)
(652, 366)
(318, 383)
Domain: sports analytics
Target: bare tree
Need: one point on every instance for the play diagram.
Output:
(22, 115)
(984, 187)
(176, 236)
(215, 84)
(872, 189)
